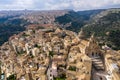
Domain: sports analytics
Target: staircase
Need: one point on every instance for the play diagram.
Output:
(98, 63)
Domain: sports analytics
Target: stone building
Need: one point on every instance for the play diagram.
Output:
(112, 63)
(92, 48)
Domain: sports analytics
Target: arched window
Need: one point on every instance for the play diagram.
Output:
(101, 78)
(99, 54)
(96, 54)
(87, 54)
(92, 54)
(80, 60)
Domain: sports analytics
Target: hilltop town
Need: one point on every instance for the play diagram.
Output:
(53, 53)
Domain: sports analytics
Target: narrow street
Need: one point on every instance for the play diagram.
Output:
(98, 72)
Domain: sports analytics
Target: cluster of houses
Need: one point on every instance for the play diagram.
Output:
(55, 53)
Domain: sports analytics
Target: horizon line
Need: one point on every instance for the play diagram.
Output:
(55, 9)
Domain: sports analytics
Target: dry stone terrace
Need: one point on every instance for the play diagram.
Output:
(50, 54)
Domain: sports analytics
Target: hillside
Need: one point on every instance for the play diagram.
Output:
(104, 24)
(13, 22)
(10, 25)
(75, 20)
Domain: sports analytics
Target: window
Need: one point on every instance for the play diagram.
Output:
(100, 78)
(92, 54)
(80, 60)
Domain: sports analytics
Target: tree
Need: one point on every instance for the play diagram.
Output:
(114, 38)
(11, 77)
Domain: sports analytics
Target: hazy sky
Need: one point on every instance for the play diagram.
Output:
(58, 4)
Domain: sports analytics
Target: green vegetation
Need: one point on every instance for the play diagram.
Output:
(33, 31)
(10, 26)
(25, 35)
(72, 68)
(114, 39)
(58, 78)
(77, 19)
(31, 55)
(11, 77)
(37, 46)
(61, 77)
(73, 17)
(40, 27)
(103, 25)
(51, 53)
(100, 24)
(20, 52)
